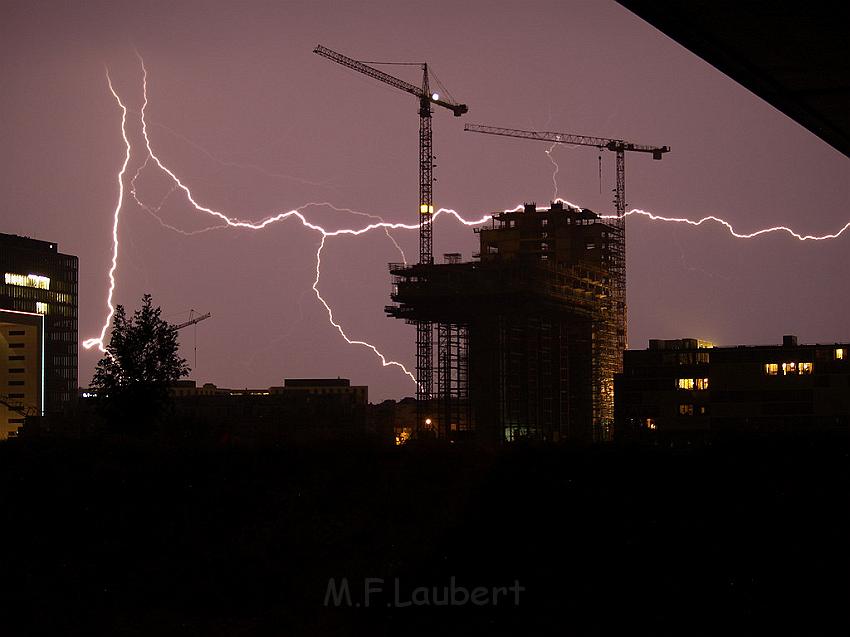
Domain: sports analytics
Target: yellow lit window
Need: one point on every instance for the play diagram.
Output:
(686, 383)
(650, 423)
(804, 368)
(28, 280)
(41, 308)
(840, 354)
(702, 383)
(686, 410)
(789, 368)
(771, 369)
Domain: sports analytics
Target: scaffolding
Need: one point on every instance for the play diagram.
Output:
(530, 334)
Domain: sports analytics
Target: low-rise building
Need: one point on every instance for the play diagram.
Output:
(689, 388)
(300, 408)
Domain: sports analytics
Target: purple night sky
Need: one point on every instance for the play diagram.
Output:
(255, 123)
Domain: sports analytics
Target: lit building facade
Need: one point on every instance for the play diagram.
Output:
(38, 296)
(688, 388)
(22, 371)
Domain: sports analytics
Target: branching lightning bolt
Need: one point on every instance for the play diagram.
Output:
(225, 221)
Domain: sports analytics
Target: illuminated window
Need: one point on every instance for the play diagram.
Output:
(544, 246)
(649, 423)
(41, 308)
(702, 357)
(840, 354)
(789, 368)
(28, 280)
(771, 369)
(702, 383)
(686, 410)
(686, 383)
(804, 368)
(544, 222)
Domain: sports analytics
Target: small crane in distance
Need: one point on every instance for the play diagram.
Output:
(194, 320)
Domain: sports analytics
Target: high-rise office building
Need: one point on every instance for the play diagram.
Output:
(38, 330)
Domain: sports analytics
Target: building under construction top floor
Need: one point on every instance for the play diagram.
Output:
(527, 333)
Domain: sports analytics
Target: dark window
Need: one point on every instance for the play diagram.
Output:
(17, 358)
(16, 332)
(17, 370)
(15, 345)
(16, 383)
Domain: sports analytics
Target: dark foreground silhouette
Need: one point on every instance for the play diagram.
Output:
(140, 537)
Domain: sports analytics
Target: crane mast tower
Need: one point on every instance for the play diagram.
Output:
(424, 330)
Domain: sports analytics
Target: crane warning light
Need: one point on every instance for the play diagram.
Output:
(435, 96)
(425, 209)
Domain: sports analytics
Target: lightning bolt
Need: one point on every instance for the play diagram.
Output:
(556, 168)
(731, 229)
(233, 164)
(116, 215)
(236, 223)
(297, 213)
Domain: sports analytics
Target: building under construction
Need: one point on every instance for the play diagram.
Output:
(529, 335)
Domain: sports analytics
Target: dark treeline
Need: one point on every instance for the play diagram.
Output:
(148, 536)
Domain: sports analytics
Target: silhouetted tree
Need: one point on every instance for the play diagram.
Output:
(141, 362)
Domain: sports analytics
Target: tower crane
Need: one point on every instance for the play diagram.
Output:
(618, 146)
(424, 330)
(194, 321)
